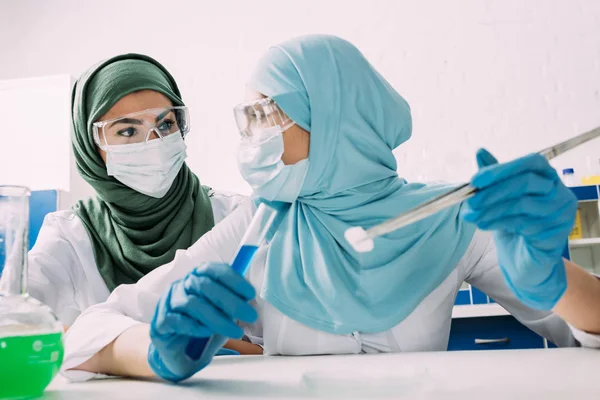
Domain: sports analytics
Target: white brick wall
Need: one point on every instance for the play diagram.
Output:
(513, 76)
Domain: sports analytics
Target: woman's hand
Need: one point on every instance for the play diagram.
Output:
(531, 213)
(243, 348)
(207, 301)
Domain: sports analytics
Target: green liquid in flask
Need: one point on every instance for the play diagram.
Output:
(28, 363)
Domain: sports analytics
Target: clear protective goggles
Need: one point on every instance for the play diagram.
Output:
(255, 116)
(142, 126)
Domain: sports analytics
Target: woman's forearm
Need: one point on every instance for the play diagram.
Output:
(127, 355)
(244, 348)
(580, 305)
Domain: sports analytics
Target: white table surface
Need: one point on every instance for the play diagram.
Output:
(507, 374)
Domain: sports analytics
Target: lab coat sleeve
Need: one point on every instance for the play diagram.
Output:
(485, 274)
(254, 332)
(130, 305)
(49, 264)
(224, 203)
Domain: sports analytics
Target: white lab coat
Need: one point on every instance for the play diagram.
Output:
(62, 268)
(426, 329)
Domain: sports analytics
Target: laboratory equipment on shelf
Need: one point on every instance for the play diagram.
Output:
(568, 177)
(31, 346)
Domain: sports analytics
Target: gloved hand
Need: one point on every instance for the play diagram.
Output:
(194, 318)
(531, 213)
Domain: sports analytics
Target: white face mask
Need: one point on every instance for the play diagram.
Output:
(259, 161)
(147, 168)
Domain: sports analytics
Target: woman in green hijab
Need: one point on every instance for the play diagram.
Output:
(129, 125)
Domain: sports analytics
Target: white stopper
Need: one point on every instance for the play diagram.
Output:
(358, 238)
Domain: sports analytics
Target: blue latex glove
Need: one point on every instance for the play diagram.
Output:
(197, 309)
(531, 213)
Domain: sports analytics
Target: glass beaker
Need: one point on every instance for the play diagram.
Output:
(31, 347)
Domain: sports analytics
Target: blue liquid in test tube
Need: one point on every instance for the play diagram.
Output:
(253, 238)
(243, 259)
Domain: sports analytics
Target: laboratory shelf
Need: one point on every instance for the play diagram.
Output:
(584, 242)
(478, 310)
(585, 193)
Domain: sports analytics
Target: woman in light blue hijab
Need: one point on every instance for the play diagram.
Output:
(318, 130)
(355, 119)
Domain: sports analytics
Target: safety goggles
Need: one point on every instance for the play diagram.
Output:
(142, 127)
(254, 117)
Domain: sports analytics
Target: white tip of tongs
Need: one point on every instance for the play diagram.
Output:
(359, 239)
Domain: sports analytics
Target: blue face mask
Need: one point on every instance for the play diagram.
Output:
(259, 161)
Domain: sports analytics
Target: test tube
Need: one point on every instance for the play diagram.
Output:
(253, 238)
(255, 234)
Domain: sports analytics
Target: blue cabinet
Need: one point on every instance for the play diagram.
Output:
(41, 203)
(492, 333)
(471, 295)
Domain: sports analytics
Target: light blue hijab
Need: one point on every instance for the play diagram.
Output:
(355, 119)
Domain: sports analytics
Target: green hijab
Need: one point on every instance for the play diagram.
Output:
(131, 233)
